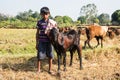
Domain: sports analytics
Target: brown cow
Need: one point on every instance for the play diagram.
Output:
(64, 29)
(115, 30)
(95, 31)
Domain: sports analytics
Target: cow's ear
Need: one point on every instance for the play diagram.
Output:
(60, 39)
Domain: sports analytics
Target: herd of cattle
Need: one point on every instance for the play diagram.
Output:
(94, 31)
(68, 39)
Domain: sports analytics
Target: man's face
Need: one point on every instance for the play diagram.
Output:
(45, 16)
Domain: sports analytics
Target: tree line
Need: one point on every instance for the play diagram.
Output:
(88, 15)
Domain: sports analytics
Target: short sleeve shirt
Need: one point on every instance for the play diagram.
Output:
(42, 25)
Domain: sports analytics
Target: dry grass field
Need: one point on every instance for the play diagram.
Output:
(18, 59)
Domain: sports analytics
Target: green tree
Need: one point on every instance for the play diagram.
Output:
(116, 17)
(82, 19)
(22, 15)
(95, 20)
(35, 15)
(67, 19)
(104, 19)
(58, 19)
(3, 17)
(25, 15)
(30, 12)
(89, 11)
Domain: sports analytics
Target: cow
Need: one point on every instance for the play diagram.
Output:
(61, 42)
(95, 31)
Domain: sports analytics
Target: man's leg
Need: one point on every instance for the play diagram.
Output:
(38, 65)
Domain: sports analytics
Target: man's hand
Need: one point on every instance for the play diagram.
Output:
(36, 47)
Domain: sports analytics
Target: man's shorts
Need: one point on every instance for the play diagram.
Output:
(44, 49)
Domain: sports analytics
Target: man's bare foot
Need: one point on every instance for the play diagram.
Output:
(51, 72)
(39, 71)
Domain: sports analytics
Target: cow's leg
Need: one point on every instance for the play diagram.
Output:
(71, 58)
(64, 61)
(58, 63)
(79, 50)
(98, 43)
(86, 42)
(102, 42)
(89, 44)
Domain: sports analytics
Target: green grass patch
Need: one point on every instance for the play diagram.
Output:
(17, 41)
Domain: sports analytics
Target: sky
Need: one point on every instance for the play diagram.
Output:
(57, 7)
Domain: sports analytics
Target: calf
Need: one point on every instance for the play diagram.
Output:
(62, 42)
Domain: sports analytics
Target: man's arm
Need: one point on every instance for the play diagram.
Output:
(37, 38)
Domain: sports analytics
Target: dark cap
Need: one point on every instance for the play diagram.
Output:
(44, 10)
